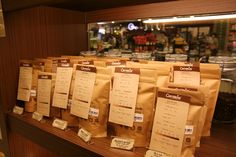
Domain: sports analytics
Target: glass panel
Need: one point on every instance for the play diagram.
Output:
(195, 39)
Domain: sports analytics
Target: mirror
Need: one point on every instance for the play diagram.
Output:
(194, 36)
(2, 28)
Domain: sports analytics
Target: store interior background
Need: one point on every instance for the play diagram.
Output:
(197, 38)
(44, 28)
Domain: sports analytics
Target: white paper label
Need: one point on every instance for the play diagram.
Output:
(93, 112)
(84, 135)
(60, 124)
(124, 96)
(44, 94)
(151, 153)
(189, 129)
(33, 93)
(187, 75)
(138, 117)
(121, 143)
(169, 123)
(37, 116)
(18, 110)
(83, 90)
(62, 87)
(25, 81)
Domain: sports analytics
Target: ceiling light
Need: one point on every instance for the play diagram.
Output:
(139, 19)
(101, 23)
(112, 21)
(192, 18)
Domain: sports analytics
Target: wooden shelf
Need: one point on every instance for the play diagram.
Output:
(67, 143)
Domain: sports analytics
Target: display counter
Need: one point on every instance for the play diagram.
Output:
(66, 143)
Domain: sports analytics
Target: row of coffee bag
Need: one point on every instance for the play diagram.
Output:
(166, 106)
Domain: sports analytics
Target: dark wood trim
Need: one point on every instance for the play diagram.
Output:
(164, 9)
(4, 146)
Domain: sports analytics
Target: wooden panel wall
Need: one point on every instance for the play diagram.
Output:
(30, 33)
(174, 8)
(22, 147)
(37, 32)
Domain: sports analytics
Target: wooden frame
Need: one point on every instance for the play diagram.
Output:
(163, 9)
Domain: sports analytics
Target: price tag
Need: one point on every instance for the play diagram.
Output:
(93, 112)
(33, 93)
(121, 143)
(188, 129)
(84, 135)
(151, 153)
(18, 110)
(138, 117)
(37, 116)
(60, 124)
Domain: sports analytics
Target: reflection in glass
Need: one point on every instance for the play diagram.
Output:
(195, 39)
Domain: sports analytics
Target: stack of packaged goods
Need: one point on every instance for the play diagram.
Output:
(163, 106)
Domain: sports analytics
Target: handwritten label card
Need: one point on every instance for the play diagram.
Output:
(60, 124)
(124, 95)
(121, 143)
(84, 135)
(151, 153)
(18, 110)
(37, 116)
(25, 81)
(187, 75)
(83, 90)
(169, 123)
(62, 86)
(44, 94)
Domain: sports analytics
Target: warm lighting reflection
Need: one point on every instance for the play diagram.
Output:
(191, 18)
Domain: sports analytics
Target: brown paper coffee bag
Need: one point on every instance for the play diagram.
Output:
(210, 77)
(98, 114)
(191, 135)
(141, 129)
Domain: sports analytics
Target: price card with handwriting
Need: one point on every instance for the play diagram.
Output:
(122, 143)
(84, 135)
(60, 124)
(152, 153)
(37, 116)
(18, 110)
